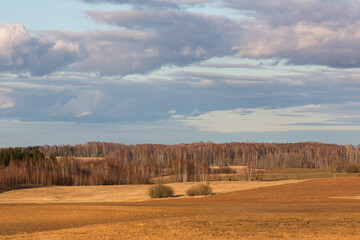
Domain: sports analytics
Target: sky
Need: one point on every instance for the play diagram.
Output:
(169, 72)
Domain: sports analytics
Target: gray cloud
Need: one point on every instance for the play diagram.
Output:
(151, 3)
(110, 76)
(150, 39)
(6, 100)
(314, 34)
(20, 52)
(118, 52)
(82, 105)
(231, 65)
(302, 31)
(303, 44)
(337, 13)
(87, 99)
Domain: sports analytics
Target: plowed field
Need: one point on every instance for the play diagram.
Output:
(312, 209)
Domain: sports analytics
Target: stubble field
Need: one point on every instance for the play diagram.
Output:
(311, 209)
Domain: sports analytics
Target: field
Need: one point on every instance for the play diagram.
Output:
(300, 173)
(266, 174)
(310, 209)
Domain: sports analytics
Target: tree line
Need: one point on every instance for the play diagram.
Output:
(261, 155)
(19, 169)
(139, 164)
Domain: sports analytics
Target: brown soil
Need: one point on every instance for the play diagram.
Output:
(309, 209)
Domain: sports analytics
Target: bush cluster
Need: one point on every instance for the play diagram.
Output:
(351, 168)
(161, 191)
(199, 189)
(339, 166)
(223, 170)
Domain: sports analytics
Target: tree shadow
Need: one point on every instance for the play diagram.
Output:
(18, 188)
(178, 195)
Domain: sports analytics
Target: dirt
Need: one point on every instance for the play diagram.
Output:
(308, 210)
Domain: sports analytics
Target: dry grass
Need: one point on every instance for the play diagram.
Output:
(237, 169)
(306, 210)
(119, 193)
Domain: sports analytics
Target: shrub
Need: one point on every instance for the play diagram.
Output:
(337, 165)
(351, 168)
(224, 170)
(161, 191)
(199, 189)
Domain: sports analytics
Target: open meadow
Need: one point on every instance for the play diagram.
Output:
(310, 209)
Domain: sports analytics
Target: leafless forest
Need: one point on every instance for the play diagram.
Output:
(138, 164)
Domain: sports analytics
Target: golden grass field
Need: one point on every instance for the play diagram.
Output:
(310, 209)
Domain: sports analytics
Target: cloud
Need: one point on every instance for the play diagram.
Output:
(119, 52)
(233, 79)
(83, 114)
(230, 65)
(241, 111)
(247, 82)
(78, 107)
(201, 83)
(63, 97)
(5, 100)
(302, 31)
(263, 67)
(306, 32)
(151, 3)
(337, 13)
(20, 52)
(171, 112)
(302, 118)
(303, 44)
(149, 39)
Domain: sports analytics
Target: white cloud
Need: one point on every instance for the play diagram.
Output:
(83, 114)
(290, 12)
(201, 83)
(171, 112)
(6, 90)
(303, 44)
(150, 38)
(5, 99)
(11, 36)
(161, 38)
(4, 103)
(152, 3)
(303, 118)
(20, 52)
(302, 31)
(246, 82)
(80, 106)
(241, 111)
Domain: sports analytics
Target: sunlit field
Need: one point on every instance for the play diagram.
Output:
(313, 209)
